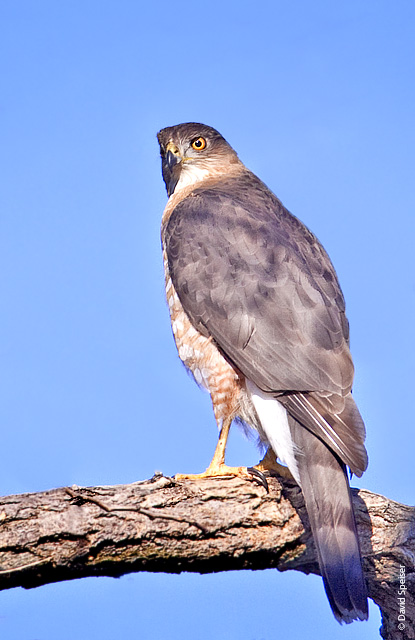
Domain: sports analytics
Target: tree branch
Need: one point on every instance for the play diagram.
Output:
(206, 526)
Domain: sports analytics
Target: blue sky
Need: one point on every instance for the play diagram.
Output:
(317, 98)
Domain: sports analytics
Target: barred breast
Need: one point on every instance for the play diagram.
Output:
(203, 359)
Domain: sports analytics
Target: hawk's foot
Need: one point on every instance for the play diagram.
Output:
(216, 471)
(223, 471)
(269, 463)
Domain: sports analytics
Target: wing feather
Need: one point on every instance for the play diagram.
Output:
(253, 277)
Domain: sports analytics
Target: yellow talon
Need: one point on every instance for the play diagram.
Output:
(217, 467)
(269, 463)
(215, 471)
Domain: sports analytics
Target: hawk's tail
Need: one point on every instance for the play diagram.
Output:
(328, 501)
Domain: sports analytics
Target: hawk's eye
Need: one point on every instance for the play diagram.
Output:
(199, 144)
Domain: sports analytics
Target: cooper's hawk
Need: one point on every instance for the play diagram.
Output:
(258, 317)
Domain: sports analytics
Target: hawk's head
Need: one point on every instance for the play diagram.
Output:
(191, 152)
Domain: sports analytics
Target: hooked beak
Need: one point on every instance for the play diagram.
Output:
(173, 155)
(171, 166)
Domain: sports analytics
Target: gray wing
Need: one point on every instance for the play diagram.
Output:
(253, 277)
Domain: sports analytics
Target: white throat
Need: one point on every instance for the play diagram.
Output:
(189, 175)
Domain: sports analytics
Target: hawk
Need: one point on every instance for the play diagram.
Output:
(258, 318)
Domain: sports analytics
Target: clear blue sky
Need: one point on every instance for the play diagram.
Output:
(317, 98)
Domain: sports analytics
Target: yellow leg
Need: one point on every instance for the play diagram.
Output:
(218, 467)
(269, 463)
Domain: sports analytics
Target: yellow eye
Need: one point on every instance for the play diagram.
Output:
(199, 144)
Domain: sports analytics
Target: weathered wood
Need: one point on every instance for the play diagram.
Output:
(207, 526)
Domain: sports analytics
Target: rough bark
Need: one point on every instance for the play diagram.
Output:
(207, 526)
